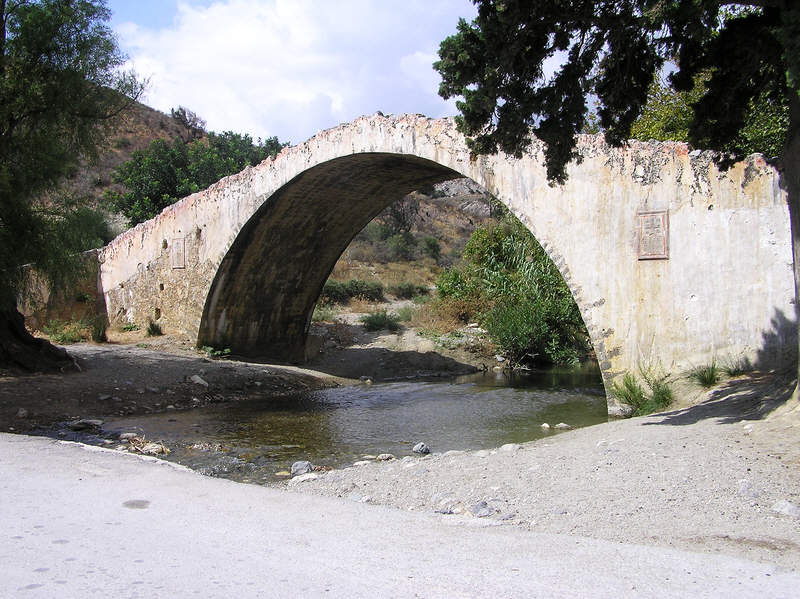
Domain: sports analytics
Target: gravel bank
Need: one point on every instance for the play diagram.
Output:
(699, 479)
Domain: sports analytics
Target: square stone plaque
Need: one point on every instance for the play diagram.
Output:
(177, 255)
(653, 235)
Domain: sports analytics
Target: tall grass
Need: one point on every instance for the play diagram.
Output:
(707, 375)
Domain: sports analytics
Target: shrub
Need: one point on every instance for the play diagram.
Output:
(323, 313)
(99, 327)
(366, 290)
(407, 290)
(154, 329)
(431, 247)
(402, 247)
(65, 332)
(380, 320)
(405, 313)
(630, 391)
(706, 376)
(334, 292)
(131, 326)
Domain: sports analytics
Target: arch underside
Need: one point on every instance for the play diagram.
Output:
(262, 297)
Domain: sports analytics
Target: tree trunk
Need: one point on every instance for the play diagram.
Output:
(791, 178)
(19, 349)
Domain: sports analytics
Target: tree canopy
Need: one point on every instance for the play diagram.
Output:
(166, 172)
(60, 83)
(498, 64)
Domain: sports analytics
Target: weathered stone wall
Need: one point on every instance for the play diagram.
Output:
(257, 246)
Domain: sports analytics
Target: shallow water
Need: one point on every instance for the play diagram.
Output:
(252, 439)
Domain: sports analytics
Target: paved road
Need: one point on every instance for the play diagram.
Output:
(80, 522)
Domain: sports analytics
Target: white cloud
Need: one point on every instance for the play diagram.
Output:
(292, 67)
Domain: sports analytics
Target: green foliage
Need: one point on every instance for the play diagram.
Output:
(380, 320)
(129, 327)
(213, 352)
(402, 247)
(657, 397)
(324, 313)
(431, 247)
(406, 313)
(65, 332)
(341, 292)
(668, 116)
(497, 66)
(166, 172)
(154, 329)
(407, 290)
(60, 84)
(517, 294)
(707, 375)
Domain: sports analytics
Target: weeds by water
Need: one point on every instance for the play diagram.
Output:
(655, 397)
(737, 367)
(706, 376)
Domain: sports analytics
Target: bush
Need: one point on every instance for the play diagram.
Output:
(380, 320)
(402, 247)
(154, 329)
(338, 292)
(431, 247)
(405, 313)
(64, 332)
(737, 367)
(407, 290)
(323, 313)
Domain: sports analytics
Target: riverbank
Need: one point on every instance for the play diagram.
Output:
(716, 477)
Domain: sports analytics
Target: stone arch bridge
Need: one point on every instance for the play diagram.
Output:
(670, 261)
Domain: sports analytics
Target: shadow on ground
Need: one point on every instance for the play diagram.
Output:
(750, 397)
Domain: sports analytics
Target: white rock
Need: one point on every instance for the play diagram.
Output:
(421, 448)
(302, 467)
(385, 457)
(197, 380)
(620, 410)
(563, 426)
(303, 478)
(126, 436)
(361, 463)
(510, 447)
(786, 508)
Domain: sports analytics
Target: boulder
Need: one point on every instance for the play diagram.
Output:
(421, 448)
(302, 467)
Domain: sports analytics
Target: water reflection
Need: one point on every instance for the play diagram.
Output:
(254, 438)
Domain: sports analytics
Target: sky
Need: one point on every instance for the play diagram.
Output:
(288, 68)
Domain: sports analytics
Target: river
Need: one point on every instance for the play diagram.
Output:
(254, 439)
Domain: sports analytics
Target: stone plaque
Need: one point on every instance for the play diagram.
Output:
(653, 234)
(177, 257)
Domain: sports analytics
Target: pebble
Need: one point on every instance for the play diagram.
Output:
(368, 456)
(22, 413)
(85, 425)
(621, 410)
(153, 389)
(152, 449)
(481, 510)
(385, 457)
(421, 448)
(127, 436)
(103, 397)
(563, 426)
(283, 473)
(301, 467)
(303, 478)
(786, 508)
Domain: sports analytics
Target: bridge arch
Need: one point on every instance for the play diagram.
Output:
(241, 264)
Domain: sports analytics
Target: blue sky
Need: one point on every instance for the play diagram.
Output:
(288, 67)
